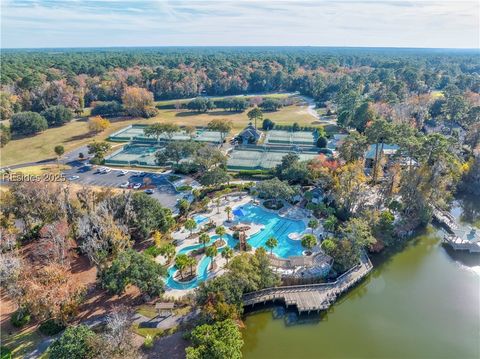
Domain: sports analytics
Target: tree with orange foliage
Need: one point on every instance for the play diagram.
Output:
(97, 124)
(138, 102)
(50, 293)
(54, 242)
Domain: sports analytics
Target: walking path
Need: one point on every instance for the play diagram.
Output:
(311, 297)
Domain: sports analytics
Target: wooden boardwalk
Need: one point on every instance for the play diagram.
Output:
(311, 297)
(460, 238)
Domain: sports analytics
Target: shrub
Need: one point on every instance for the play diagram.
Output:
(322, 142)
(268, 124)
(50, 327)
(109, 108)
(184, 188)
(153, 251)
(57, 115)
(5, 353)
(173, 178)
(5, 135)
(20, 318)
(27, 123)
(148, 342)
(325, 151)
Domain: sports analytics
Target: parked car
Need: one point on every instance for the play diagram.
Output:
(122, 173)
(107, 170)
(137, 185)
(149, 191)
(124, 184)
(73, 178)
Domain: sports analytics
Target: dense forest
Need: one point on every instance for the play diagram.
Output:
(102, 74)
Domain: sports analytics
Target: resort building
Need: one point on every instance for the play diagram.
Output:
(249, 135)
(385, 151)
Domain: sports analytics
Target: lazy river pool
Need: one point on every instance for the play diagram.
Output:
(273, 226)
(202, 266)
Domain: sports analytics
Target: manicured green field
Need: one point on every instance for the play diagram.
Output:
(75, 133)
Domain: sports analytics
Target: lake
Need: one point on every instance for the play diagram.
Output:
(421, 301)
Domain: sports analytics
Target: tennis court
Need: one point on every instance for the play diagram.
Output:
(253, 158)
(135, 133)
(134, 154)
(299, 138)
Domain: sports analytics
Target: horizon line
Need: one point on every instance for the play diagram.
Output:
(237, 46)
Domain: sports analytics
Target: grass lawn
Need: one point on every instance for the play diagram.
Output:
(75, 133)
(154, 332)
(41, 169)
(147, 311)
(22, 342)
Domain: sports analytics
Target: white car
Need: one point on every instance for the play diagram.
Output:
(137, 185)
(73, 178)
(124, 184)
(107, 170)
(123, 173)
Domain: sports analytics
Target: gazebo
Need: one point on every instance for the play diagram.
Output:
(164, 309)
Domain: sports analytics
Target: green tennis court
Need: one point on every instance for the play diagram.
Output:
(299, 138)
(135, 133)
(253, 158)
(134, 154)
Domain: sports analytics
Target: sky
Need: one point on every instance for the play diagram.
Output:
(369, 23)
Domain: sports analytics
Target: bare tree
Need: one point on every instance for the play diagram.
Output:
(118, 333)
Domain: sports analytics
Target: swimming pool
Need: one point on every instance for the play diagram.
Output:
(275, 226)
(202, 266)
(199, 219)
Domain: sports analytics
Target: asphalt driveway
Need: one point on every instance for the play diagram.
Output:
(164, 191)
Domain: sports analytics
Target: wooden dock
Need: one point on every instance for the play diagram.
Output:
(311, 297)
(460, 238)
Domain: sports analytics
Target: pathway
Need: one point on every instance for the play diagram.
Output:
(311, 297)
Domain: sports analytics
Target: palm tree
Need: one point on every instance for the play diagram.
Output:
(190, 225)
(217, 203)
(228, 210)
(271, 243)
(227, 253)
(168, 251)
(220, 231)
(181, 262)
(313, 224)
(191, 263)
(309, 241)
(330, 223)
(211, 252)
(204, 238)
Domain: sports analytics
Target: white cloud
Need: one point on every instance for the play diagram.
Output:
(317, 23)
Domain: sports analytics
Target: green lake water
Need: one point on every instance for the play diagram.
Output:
(421, 302)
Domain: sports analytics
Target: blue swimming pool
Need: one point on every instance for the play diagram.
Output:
(199, 219)
(202, 266)
(275, 226)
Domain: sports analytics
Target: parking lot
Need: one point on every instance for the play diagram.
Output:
(163, 190)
